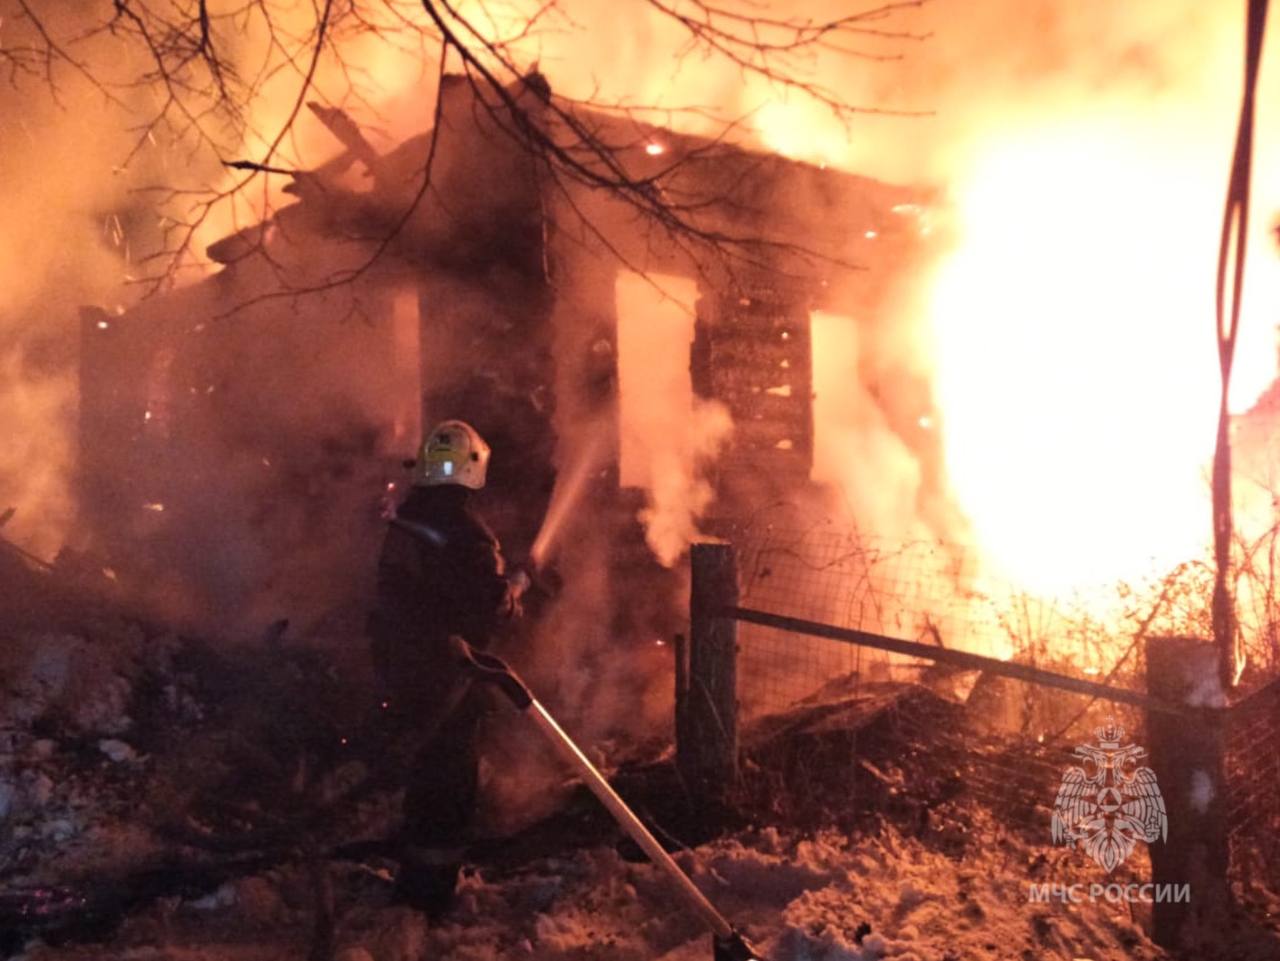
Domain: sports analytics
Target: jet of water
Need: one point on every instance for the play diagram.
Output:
(570, 485)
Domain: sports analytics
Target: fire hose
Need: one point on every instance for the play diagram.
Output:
(728, 942)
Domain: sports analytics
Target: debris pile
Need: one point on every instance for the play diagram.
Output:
(159, 792)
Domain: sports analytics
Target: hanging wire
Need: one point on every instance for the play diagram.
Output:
(1231, 258)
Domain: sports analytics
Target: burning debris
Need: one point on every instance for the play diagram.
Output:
(247, 590)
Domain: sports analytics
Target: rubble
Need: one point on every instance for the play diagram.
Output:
(242, 767)
(885, 884)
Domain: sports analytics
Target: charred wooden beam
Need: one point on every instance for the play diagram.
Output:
(961, 659)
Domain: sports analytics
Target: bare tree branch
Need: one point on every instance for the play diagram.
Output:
(190, 76)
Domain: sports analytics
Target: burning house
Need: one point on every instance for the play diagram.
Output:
(464, 273)
(830, 520)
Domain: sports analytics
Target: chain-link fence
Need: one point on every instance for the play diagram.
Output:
(914, 590)
(937, 594)
(928, 593)
(1253, 783)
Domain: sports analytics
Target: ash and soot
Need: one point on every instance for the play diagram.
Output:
(847, 426)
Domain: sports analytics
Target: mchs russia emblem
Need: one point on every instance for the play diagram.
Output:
(1110, 801)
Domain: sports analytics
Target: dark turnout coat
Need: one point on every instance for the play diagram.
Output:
(441, 573)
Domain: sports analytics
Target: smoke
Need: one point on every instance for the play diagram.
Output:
(1076, 310)
(1011, 87)
(59, 247)
(669, 437)
(856, 450)
(36, 458)
(82, 226)
(1065, 327)
(1043, 380)
(679, 491)
(255, 512)
(1079, 155)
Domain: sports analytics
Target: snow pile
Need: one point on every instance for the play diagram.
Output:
(69, 774)
(98, 732)
(65, 675)
(818, 899)
(75, 683)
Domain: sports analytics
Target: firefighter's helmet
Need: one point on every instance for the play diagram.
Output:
(453, 453)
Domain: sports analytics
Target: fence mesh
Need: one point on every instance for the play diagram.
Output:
(914, 590)
(1253, 783)
(929, 593)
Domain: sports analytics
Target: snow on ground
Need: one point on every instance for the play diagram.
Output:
(75, 772)
(799, 900)
(822, 898)
(66, 795)
(69, 776)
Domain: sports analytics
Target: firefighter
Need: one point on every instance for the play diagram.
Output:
(441, 573)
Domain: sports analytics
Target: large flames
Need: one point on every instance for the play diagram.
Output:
(1083, 154)
(1075, 361)
(1083, 158)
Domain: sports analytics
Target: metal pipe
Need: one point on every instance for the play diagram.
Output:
(627, 820)
(962, 659)
(727, 943)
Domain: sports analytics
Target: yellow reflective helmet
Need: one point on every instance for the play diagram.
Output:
(453, 453)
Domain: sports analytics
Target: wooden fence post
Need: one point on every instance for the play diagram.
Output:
(1187, 757)
(707, 693)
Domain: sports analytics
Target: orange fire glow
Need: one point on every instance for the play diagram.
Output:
(1070, 322)
(1075, 361)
